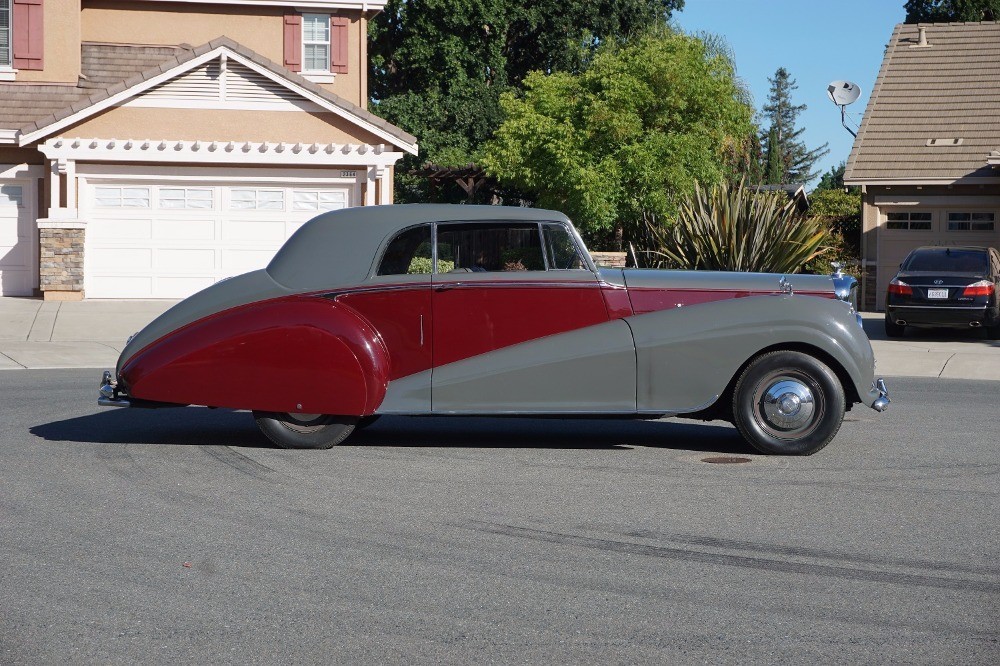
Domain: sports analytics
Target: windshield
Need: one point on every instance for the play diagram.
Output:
(947, 260)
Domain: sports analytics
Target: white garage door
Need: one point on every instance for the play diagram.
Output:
(159, 240)
(18, 266)
(902, 231)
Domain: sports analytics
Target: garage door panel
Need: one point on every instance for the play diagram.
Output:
(102, 286)
(183, 260)
(121, 258)
(181, 286)
(264, 231)
(121, 230)
(242, 261)
(184, 230)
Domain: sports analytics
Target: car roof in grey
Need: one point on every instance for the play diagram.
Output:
(339, 247)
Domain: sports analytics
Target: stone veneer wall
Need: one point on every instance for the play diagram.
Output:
(61, 266)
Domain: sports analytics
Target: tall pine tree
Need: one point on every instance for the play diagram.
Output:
(787, 159)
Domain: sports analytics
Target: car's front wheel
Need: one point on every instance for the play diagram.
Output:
(788, 403)
(305, 431)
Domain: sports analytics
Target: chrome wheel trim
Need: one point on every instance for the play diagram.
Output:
(788, 404)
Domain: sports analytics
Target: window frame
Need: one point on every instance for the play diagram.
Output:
(971, 221)
(909, 220)
(328, 43)
(8, 7)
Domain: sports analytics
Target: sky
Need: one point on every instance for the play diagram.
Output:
(817, 41)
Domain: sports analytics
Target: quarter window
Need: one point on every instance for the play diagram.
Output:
(913, 221)
(561, 247)
(187, 197)
(971, 221)
(316, 42)
(409, 253)
(121, 197)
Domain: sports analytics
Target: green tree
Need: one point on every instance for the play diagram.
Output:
(840, 213)
(616, 145)
(832, 179)
(438, 67)
(781, 137)
(945, 11)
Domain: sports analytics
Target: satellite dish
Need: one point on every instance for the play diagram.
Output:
(843, 93)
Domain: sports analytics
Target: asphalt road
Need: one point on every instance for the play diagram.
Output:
(181, 536)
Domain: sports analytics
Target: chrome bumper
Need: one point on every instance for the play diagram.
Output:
(882, 402)
(110, 397)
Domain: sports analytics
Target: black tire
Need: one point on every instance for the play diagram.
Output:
(892, 329)
(305, 431)
(788, 403)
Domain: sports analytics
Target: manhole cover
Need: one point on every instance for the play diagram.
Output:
(726, 460)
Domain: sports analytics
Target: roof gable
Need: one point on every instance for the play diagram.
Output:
(934, 112)
(256, 82)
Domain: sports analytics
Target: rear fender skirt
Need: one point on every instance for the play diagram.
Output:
(687, 356)
(296, 354)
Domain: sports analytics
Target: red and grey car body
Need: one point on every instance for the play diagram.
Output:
(319, 331)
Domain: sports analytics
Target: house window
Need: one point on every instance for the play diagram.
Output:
(971, 221)
(11, 195)
(187, 197)
(315, 43)
(121, 197)
(911, 221)
(5, 33)
(252, 199)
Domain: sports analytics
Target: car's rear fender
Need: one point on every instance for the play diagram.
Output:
(303, 354)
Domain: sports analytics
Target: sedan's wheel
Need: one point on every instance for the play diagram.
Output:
(788, 403)
(304, 431)
(892, 329)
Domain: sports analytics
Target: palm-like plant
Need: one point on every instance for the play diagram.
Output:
(733, 228)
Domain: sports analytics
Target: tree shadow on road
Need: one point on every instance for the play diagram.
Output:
(198, 426)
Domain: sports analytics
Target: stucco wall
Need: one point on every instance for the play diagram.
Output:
(62, 44)
(257, 27)
(220, 125)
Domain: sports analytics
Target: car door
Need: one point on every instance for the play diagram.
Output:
(520, 325)
(396, 300)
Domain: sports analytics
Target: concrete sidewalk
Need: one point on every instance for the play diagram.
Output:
(36, 334)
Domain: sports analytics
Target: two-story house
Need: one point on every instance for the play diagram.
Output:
(149, 148)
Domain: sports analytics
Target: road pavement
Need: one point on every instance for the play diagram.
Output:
(181, 536)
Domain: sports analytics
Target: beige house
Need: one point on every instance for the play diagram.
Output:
(927, 155)
(150, 148)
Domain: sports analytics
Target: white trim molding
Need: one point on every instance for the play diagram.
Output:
(308, 5)
(994, 158)
(21, 170)
(194, 63)
(8, 136)
(244, 153)
(50, 223)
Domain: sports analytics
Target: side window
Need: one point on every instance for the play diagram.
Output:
(409, 253)
(561, 247)
(473, 248)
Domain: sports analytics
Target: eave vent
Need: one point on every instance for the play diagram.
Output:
(943, 143)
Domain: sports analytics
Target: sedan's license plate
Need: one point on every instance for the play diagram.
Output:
(937, 293)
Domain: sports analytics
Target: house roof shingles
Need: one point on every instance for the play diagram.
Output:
(947, 90)
(109, 69)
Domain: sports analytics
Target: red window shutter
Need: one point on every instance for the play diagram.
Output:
(339, 27)
(28, 42)
(293, 42)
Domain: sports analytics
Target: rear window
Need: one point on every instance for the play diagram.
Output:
(947, 260)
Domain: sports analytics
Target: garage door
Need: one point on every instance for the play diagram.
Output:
(18, 266)
(156, 240)
(902, 231)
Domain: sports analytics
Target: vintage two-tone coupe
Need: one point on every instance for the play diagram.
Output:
(486, 310)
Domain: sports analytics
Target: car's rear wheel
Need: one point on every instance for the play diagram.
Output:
(788, 403)
(305, 431)
(892, 329)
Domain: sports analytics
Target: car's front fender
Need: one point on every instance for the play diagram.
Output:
(295, 354)
(687, 356)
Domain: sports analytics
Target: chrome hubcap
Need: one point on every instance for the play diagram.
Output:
(786, 405)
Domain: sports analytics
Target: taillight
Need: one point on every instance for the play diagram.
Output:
(900, 288)
(981, 288)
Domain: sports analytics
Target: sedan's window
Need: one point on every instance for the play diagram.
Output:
(408, 253)
(489, 247)
(562, 248)
(947, 260)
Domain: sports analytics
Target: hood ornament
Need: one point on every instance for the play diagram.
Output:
(785, 286)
